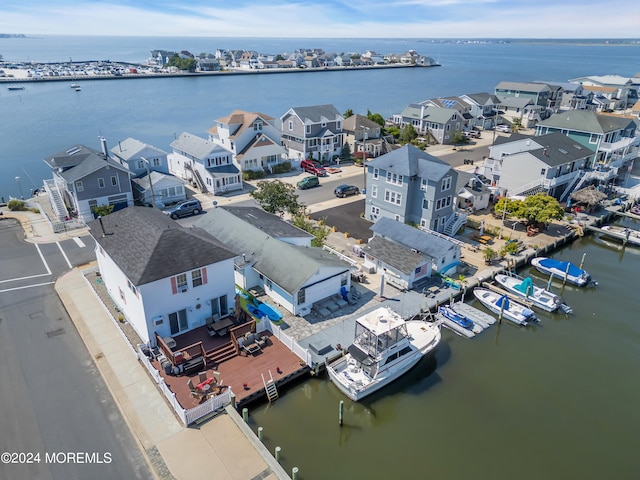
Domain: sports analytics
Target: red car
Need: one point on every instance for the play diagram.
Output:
(313, 167)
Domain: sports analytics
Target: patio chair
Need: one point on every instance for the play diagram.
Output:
(202, 376)
(218, 381)
(191, 386)
(210, 321)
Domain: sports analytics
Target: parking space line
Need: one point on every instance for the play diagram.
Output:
(43, 260)
(25, 278)
(79, 242)
(26, 286)
(64, 255)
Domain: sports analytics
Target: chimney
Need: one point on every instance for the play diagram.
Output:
(544, 151)
(103, 144)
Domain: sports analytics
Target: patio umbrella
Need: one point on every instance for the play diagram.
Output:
(589, 195)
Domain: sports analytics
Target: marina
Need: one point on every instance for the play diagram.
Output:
(625, 234)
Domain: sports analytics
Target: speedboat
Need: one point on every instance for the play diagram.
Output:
(635, 210)
(510, 310)
(456, 317)
(385, 347)
(539, 297)
(563, 270)
(627, 235)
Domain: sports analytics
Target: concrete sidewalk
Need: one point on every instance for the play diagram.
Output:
(224, 445)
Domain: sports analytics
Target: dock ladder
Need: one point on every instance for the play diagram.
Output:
(270, 387)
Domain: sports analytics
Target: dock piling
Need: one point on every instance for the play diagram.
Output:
(294, 473)
(245, 414)
(260, 433)
(341, 413)
(278, 450)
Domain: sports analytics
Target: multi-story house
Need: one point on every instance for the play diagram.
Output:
(538, 93)
(551, 163)
(164, 278)
(204, 164)
(84, 178)
(140, 158)
(364, 135)
(626, 88)
(522, 109)
(439, 123)
(484, 109)
(613, 138)
(411, 186)
(252, 138)
(312, 132)
(570, 96)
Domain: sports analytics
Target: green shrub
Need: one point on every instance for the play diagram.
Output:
(16, 205)
(283, 167)
(252, 175)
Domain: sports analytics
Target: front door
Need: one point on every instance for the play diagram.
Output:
(178, 321)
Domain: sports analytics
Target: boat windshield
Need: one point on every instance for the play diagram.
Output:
(374, 344)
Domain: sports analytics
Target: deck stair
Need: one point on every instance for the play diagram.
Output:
(201, 185)
(56, 199)
(220, 354)
(270, 387)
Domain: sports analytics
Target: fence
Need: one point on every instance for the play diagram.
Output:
(291, 344)
(191, 415)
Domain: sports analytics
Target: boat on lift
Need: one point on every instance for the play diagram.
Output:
(563, 270)
(539, 297)
(501, 304)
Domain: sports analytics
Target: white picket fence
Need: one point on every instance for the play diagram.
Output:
(188, 416)
(290, 343)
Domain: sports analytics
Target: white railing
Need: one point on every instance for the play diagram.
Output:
(291, 344)
(191, 415)
(341, 256)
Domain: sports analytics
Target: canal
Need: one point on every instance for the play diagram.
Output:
(553, 400)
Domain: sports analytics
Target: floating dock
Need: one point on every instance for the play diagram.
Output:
(477, 316)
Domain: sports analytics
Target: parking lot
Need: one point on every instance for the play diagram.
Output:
(346, 218)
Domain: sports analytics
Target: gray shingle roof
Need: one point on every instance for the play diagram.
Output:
(411, 237)
(585, 121)
(91, 163)
(193, 145)
(393, 254)
(316, 113)
(410, 161)
(289, 266)
(559, 149)
(523, 87)
(148, 246)
(131, 147)
(269, 223)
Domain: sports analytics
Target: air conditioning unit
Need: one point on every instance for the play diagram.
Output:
(183, 289)
(158, 320)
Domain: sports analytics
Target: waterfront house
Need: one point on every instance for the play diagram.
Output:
(84, 178)
(552, 163)
(362, 134)
(538, 93)
(452, 102)
(471, 193)
(204, 164)
(569, 96)
(407, 254)
(276, 258)
(312, 132)
(140, 158)
(613, 138)
(522, 109)
(437, 122)
(164, 278)
(412, 186)
(158, 189)
(252, 138)
(484, 109)
(626, 88)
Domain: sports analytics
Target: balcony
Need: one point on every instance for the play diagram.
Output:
(622, 144)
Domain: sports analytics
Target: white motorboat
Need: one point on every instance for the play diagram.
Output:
(510, 309)
(385, 347)
(627, 235)
(563, 270)
(539, 297)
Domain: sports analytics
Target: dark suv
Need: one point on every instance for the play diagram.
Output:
(346, 190)
(312, 167)
(183, 209)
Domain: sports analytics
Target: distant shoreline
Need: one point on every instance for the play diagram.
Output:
(21, 74)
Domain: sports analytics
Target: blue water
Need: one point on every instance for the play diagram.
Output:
(46, 118)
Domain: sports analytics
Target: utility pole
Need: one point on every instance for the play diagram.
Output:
(153, 196)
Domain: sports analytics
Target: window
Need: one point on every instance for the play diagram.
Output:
(101, 183)
(374, 191)
(307, 129)
(376, 173)
(446, 184)
(424, 222)
(392, 197)
(593, 138)
(178, 321)
(290, 125)
(156, 162)
(181, 281)
(394, 178)
(425, 204)
(302, 296)
(132, 287)
(424, 184)
(79, 186)
(543, 171)
(114, 181)
(196, 278)
(219, 306)
(375, 210)
(343, 279)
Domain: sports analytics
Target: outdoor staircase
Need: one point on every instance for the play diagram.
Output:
(270, 387)
(442, 235)
(201, 185)
(220, 354)
(55, 199)
(454, 223)
(580, 179)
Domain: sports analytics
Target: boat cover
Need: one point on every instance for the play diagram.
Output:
(503, 299)
(358, 354)
(562, 266)
(525, 287)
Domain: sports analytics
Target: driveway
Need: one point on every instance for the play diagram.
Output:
(346, 218)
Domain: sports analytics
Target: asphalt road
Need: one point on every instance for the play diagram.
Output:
(58, 418)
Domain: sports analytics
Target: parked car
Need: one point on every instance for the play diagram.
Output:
(346, 190)
(308, 182)
(472, 134)
(183, 209)
(503, 128)
(313, 167)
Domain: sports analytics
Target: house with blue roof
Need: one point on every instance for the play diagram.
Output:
(412, 186)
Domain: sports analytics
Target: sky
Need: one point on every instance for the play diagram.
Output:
(326, 18)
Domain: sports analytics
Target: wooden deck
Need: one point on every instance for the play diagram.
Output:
(237, 371)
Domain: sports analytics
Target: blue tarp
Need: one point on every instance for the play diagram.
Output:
(525, 287)
(503, 299)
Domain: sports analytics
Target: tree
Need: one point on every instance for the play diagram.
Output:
(345, 153)
(275, 196)
(376, 117)
(459, 138)
(408, 134)
(516, 124)
(536, 209)
(394, 131)
(279, 57)
(183, 63)
(102, 210)
(320, 231)
(348, 113)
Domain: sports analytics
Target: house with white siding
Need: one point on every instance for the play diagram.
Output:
(164, 278)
